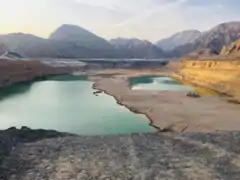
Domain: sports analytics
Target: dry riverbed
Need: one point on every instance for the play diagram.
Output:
(167, 110)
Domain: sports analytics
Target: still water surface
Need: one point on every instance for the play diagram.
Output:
(158, 83)
(67, 104)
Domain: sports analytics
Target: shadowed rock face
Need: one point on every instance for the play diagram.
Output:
(137, 156)
(202, 53)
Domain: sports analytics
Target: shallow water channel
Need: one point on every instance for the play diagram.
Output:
(158, 83)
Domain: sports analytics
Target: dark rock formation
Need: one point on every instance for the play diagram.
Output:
(193, 95)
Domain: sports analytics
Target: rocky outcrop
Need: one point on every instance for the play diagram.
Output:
(220, 73)
(233, 50)
(11, 137)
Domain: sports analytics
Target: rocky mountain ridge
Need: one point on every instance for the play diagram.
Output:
(136, 48)
(178, 39)
(70, 41)
(214, 39)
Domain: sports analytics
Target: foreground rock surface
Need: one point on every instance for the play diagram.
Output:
(137, 156)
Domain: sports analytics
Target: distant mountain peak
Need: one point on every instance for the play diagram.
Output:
(136, 48)
(178, 39)
(79, 36)
(69, 28)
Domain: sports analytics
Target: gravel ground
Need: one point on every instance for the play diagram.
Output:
(188, 156)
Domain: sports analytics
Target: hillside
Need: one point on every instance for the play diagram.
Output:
(67, 42)
(214, 39)
(80, 36)
(232, 50)
(179, 39)
(135, 48)
(220, 73)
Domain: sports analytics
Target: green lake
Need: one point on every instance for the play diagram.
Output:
(158, 83)
(67, 104)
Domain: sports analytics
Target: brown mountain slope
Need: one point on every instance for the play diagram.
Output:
(220, 73)
(232, 50)
(214, 39)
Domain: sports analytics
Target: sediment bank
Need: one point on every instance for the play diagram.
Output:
(222, 75)
(166, 110)
(12, 72)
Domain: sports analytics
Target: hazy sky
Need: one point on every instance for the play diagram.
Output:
(144, 19)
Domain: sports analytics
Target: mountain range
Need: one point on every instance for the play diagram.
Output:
(212, 40)
(178, 39)
(135, 48)
(70, 41)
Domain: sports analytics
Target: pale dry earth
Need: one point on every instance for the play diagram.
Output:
(168, 110)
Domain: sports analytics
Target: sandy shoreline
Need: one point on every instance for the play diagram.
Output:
(166, 110)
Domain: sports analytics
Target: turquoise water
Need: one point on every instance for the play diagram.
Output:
(158, 83)
(67, 104)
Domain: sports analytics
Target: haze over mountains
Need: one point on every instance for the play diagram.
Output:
(135, 48)
(178, 39)
(212, 40)
(70, 41)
